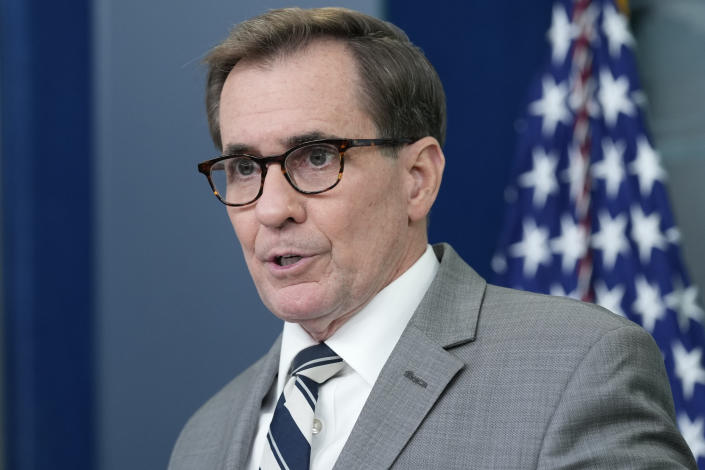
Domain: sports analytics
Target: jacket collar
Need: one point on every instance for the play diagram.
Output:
(449, 312)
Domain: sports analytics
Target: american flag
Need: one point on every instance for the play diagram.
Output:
(587, 209)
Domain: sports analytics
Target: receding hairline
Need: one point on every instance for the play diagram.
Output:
(267, 61)
(271, 61)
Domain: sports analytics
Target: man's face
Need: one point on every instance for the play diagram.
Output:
(344, 245)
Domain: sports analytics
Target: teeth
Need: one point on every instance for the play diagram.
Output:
(287, 260)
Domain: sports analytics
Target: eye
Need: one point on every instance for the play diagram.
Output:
(320, 156)
(315, 157)
(244, 167)
(240, 167)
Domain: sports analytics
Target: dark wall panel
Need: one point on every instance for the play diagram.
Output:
(47, 245)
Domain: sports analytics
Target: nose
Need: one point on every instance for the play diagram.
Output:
(280, 202)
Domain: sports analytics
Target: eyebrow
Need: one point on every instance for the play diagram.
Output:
(308, 137)
(292, 141)
(232, 149)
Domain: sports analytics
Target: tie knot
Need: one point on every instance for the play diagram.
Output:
(319, 363)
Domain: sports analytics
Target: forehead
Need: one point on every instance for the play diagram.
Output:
(313, 90)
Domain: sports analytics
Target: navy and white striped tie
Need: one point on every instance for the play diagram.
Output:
(289, 438)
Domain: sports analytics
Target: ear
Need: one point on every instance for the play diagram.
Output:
(424, 163)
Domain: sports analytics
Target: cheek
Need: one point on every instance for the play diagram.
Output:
(245, 229)
(371, 226)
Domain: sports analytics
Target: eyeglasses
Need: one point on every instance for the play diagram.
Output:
(311, 168)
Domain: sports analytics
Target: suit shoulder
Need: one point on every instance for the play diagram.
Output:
(219, 403)
(235, 390)
(207, 429)
(550, 313)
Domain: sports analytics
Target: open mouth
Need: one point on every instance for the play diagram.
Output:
(286, 260)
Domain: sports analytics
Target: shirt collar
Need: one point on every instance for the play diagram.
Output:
(367, 339)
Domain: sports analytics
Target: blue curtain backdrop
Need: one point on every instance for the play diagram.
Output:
(486, 54)
(46, 196)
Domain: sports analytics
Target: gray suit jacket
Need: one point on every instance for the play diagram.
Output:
(483, 377)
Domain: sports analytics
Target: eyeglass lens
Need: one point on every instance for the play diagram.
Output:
(311, 168)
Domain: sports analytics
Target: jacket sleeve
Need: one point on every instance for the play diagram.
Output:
(616, 410)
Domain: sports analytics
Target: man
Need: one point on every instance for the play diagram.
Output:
(331, 125)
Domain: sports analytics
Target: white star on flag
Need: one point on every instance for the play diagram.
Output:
(646, 232)
(613, 97)
(542, 176)
(611, 299)
(688, 368)
(560, 34)
(571, 244)
(693, 434)
(611, 240)
(533, 247)
(611, 167)
(616, 29)
(648, 303)
(684, 303)
(552, 106)
(646, 166)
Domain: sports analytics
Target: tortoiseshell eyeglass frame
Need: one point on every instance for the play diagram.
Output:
(341, 144)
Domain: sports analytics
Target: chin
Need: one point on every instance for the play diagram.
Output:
(294, 317)
(297, 303)
(303, 309)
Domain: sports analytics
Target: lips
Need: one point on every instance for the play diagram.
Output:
(287, 260)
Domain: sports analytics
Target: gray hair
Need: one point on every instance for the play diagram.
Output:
(400, 89)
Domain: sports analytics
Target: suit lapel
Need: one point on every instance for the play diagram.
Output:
(411, 381)
(246, 409)
(419, 368)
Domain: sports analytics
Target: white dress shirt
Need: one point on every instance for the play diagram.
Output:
(364, 342)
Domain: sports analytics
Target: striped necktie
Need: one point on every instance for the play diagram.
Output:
(289, 438)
